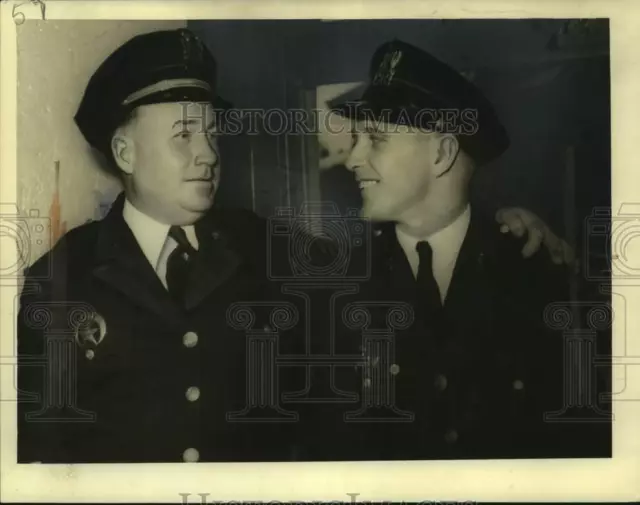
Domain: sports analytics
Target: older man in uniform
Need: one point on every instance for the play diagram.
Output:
(457, 358)
(144, 363)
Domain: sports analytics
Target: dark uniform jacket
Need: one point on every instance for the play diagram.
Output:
(111, 370)
(476, 385)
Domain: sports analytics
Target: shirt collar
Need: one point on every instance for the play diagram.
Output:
(448, 238)
(150, 234)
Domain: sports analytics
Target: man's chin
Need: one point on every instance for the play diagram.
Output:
(372, 214)
(199, 204)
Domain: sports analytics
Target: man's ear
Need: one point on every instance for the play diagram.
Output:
(123, 151)
(447, 152)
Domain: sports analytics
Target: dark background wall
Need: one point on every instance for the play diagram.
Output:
(549, 80)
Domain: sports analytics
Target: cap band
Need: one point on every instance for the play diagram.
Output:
(165, 86)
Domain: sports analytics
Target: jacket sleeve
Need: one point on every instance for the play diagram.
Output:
(520, 375)
(554, 315)
(46, 361)
(38, 438)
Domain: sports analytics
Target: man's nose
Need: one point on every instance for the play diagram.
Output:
(355, 159)
(351, 164)
(207, 152)
(358, 154)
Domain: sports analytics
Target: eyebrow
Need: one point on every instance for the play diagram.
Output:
(185, 122)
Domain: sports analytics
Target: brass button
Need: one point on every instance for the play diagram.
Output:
(192, 393)
(89, 354)
(190, 455)
(395, 369)
(518, 384)
(440, 383)
(451, 436)
(190, 339)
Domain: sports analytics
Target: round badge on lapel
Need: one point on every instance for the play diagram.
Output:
(90, 333)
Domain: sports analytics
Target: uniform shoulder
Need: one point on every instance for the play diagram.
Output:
(66, 258)
(538, 274)
(72, 246)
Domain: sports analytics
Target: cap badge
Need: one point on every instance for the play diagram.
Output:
(387, 68)
(191, 47)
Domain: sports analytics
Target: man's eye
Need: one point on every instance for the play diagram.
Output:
(376, 139)
(183, 134)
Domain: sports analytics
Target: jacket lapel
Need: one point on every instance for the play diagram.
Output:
(120, 263)
(217, 261)
(391, 261)
(469, 292)
(391, 264)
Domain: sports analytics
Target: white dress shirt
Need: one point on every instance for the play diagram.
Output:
(445, 243)
(153, 238)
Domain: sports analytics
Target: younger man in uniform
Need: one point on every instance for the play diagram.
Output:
(460, 357)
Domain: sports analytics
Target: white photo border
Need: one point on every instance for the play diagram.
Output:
(491, 480)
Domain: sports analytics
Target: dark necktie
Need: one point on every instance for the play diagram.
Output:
(179, 264)
(428, 291)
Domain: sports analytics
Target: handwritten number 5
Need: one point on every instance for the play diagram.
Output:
(18, 17)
